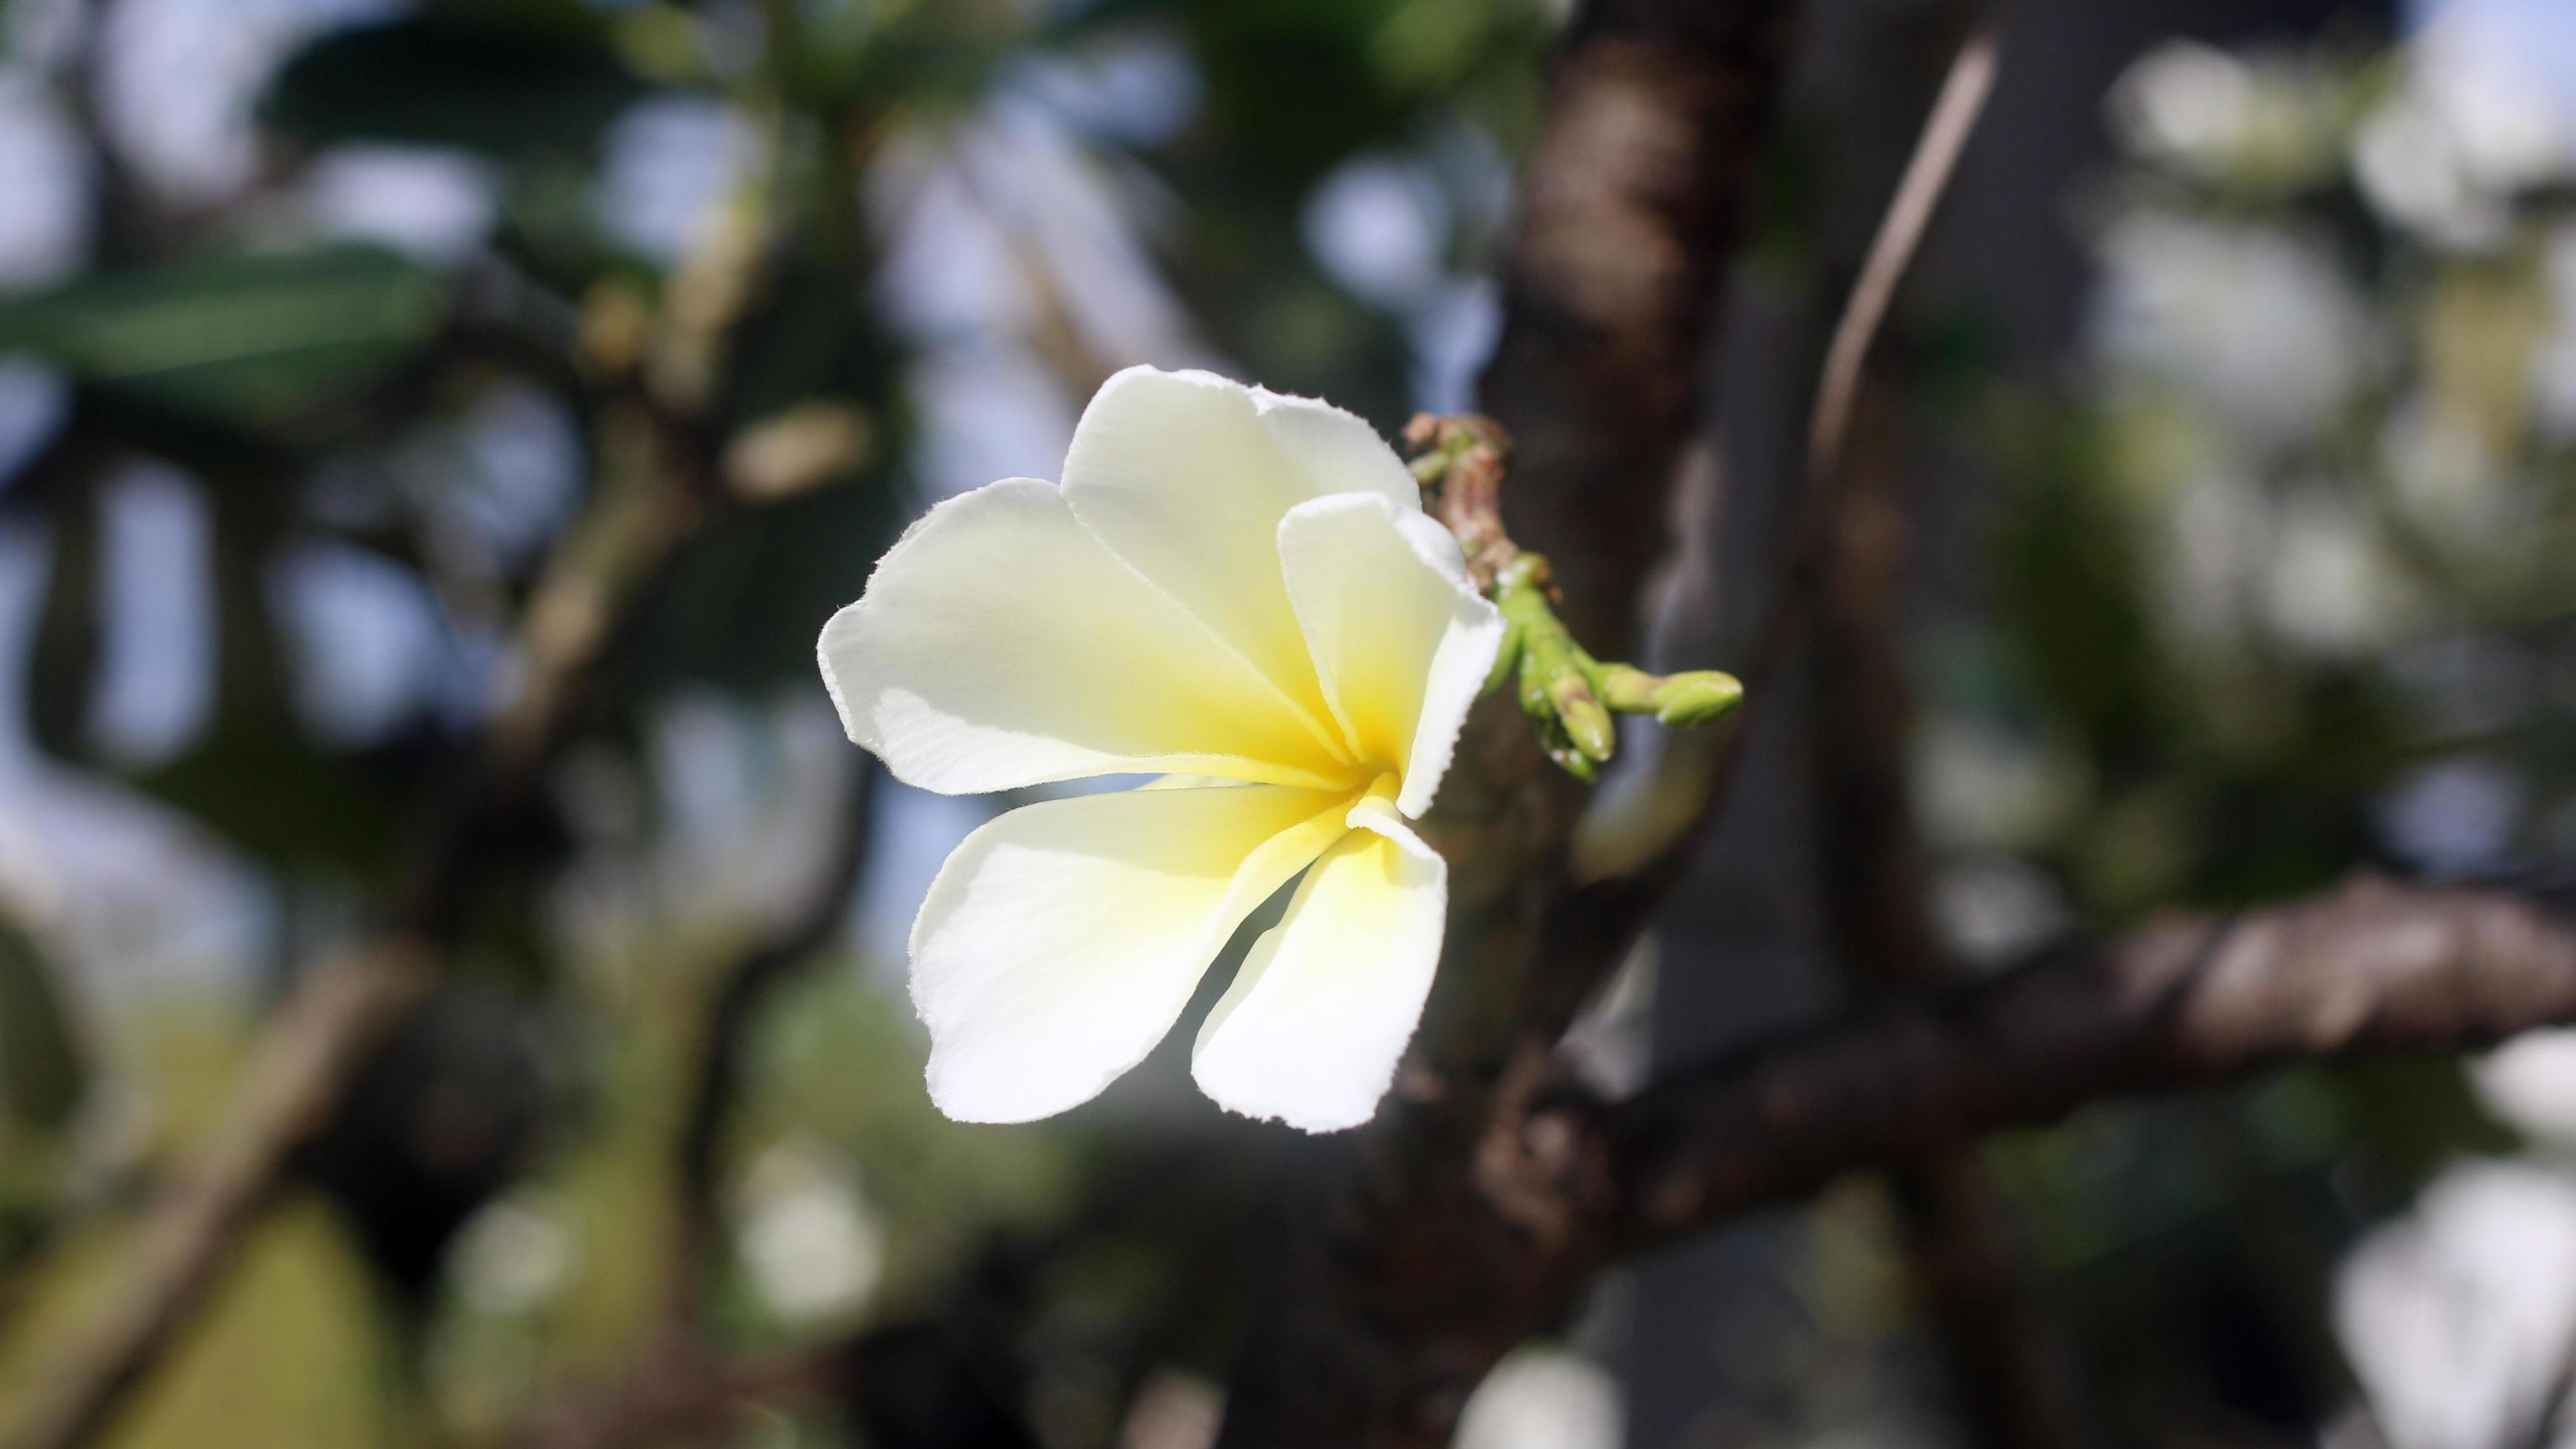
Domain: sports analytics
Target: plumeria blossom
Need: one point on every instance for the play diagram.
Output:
(1238, 592)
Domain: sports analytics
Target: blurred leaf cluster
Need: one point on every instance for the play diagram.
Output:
(2281, 577)
(2279, 587)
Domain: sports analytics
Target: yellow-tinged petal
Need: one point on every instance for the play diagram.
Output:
(1311, 1030)
(1061, 940)
(1401, 639)
(1186, 475)
(1000, 644)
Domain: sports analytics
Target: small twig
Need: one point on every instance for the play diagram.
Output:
(1918, 193)
(2010, 1382)
(1566, 693)
(1695, 768)
(1460, 461)
(1962, 100)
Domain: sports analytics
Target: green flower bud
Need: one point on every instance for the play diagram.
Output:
(1702, 696)
(1507, 658)
(1628, 689)
(1587, 724)
(1531, 687)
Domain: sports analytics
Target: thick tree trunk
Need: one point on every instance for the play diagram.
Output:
(1415, 1254)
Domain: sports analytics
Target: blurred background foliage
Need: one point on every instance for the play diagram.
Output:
(328, 327)
(333, 330)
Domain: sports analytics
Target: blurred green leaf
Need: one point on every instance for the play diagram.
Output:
(266, 790)
(442, 81)
(63, 655)
(245, 339)
(738, 602)
(42, 1070)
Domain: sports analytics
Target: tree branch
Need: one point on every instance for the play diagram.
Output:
(304, 1057)
(659, 488)
(2376, 967)
(2009, 1381)
(2187, 1002)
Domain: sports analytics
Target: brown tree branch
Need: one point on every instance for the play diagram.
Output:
(308, 1052)
(2011, 1384)
(1964, 92)
(2376, 967)
(2187, 1002)
(1615, 898)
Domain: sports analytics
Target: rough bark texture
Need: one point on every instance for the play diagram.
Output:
(1419, 1253)
(1636, 196)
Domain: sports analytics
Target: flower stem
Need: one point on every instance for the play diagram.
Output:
(1568, 695)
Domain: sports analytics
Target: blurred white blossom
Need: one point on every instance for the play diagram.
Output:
(2217, 542)
(2217, 116)
(2530, 1082)
(2256, 325)
(1541, 1398)
(1993, 909)
(1980, 786)
(514, 1255)
(2330, 589)
(2443, 480)
(2458, 1316)
(2471, 124)
(813, 1245)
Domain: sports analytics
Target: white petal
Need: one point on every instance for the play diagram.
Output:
(999, 644)
(1186, 475)
(1400, 637)
(1311, 1030)
(1061, 939)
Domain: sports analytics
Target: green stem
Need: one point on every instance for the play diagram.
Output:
(1570, 696)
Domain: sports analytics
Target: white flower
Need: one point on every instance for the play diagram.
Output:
(1232, 588)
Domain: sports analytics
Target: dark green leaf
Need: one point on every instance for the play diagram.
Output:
(63, 656)
(254, 340)
(42, 1072)
(441, 81)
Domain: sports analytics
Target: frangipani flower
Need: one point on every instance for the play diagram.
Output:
(1239, 592)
